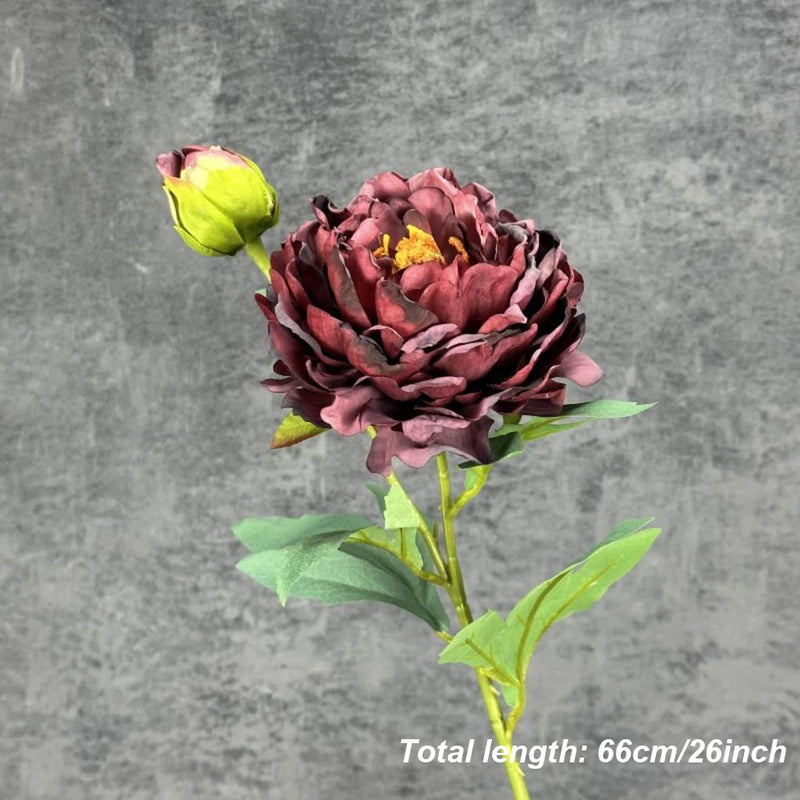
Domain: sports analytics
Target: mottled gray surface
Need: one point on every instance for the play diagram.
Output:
(658, 138)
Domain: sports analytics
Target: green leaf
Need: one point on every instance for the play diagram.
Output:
(622, 530)
(401, 541)
(399, 511)
(300, 557)
(293, 430)
(301, 541)
(539, 431)
(354, 572)
(504, 648)
(579, 586)
(573, 416)
(510, 694)
(274, 533)
(424, 591)
(504, 444)
(472, 478)
(482, 644)
(604, 409)
(379, 493)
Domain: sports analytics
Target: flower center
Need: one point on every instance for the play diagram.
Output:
(416, 248)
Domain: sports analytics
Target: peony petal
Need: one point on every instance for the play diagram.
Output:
(391, 340)
(441, 178)
(443, 387)
(331, 378)
(294, 286)
(365, 273)
(578, 368)
(367, 234)
(509, 346)
(308, 403)
(412, 217)
(330, 333)
(386, 186)
(485, 199)
(482, 235)
(291, 351)
(279, 385)
(470, 361)
(430, 337)
(316, 285)
(499, 322)
(394, 309)
(327, 213)
(416, 278)
(547, 390)
(486, 290)
(443, 299)
(525, 288)
(548, 257)
(434, 206)
(345, 293)
(388, 221)
(424, 428)
(471, 442)
(353, 409)
(169, 164)
(369, 359)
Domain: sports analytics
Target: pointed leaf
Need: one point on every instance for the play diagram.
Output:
(578, 587)
(379, 493)
(482, 644)
(504, 444)
(625, 528)
(354, 572)
(605, 409)
(541, 431)
(401, 541)
(293, 430)
(274, 533)
(572, 416)
(505, 647)
(472, 477)
(425, 592)
(510, 693)
(300, 557)
(399, 510)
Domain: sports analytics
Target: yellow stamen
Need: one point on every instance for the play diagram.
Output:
(383, 250)
(416, 248)
(459, 245)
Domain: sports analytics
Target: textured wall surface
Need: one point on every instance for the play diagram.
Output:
(658, 138)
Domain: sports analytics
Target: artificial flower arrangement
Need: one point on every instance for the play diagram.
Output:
(422, 317)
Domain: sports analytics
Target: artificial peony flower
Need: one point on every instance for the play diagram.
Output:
(219, 199)
(419, 309)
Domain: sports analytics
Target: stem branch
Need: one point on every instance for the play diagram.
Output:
(468, 494)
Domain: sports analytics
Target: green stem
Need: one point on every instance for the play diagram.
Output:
(468, 494)
(258, 255)
(516, 712)
(458, 595)
(516, 777)
(456, 589)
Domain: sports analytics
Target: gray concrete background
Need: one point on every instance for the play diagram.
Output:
(658, 138)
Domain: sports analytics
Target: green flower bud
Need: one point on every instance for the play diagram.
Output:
(219, 199)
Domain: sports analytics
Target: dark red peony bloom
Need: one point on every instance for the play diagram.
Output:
(418, 309)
